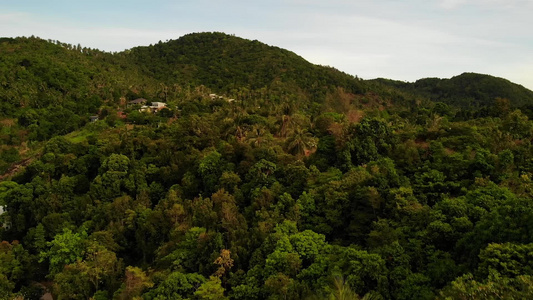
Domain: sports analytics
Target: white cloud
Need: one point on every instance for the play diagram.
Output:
(105, 38)
(486, 4)
(451, 4)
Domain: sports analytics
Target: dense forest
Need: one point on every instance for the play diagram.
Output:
(264, 177)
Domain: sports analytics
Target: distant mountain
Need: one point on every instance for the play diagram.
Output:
(466, 90)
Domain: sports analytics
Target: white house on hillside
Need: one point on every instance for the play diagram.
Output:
(155, 107)
(158, 105)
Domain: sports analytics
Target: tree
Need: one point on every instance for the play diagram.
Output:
(300, 142)
(73, 282)
(280, 286)
(495, 287)
(100, 264)
(368, 140)
(341, 290)
(66, 248)
(177, 285)
(508, 260)
(14, 266)
(224, 262)
(135, 283)
(258, 136)
(211, 290)
(210, 168)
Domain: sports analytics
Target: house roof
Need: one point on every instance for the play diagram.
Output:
(138, 101)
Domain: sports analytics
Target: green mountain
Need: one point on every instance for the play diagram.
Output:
(49, 88)
(224, 63)
(52, 88)
(37, 74)
(466, 90)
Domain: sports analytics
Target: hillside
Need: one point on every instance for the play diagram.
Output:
(49, 88)
(224, 63)
(38, 75)
(263, 177)
(468, 90)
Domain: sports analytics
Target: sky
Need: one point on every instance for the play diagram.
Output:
(396, 39)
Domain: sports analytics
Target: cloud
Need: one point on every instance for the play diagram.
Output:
(101, 37)
(486, 4)
(451, 4)
(399, 49)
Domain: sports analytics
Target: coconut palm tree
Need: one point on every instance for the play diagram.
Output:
(300, 142)
(258, 135)
(341, 290)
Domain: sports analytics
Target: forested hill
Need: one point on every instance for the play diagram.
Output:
(467, 90)
(256, 175)
(224, 63)
(51, 87)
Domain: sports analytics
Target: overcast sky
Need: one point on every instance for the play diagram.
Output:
(402, 40)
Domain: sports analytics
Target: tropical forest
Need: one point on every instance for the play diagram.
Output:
(217, 167)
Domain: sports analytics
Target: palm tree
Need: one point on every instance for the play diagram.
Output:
(286, 110)
(300, 142)
(341, 290)
(258, 135)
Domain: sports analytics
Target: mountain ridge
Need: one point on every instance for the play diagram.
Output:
(481, 89)
(226, 63)
(36, 75)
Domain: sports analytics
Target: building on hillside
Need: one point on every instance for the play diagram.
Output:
(138, 101)
(157, 106)
(154, 107)
(93, 118)
(145, 108)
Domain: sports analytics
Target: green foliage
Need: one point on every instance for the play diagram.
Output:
(369, 140)
(235, 63)
(495, 287)
(136, 282)
(14, 265)
(64, 249)
(211, 290)
(297, 181)
(468, 89)
(509, 260)
(179, 286)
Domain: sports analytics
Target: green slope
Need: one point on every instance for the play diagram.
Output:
(35, 73)
(466, 90)
(51, 88)
(224, 63)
